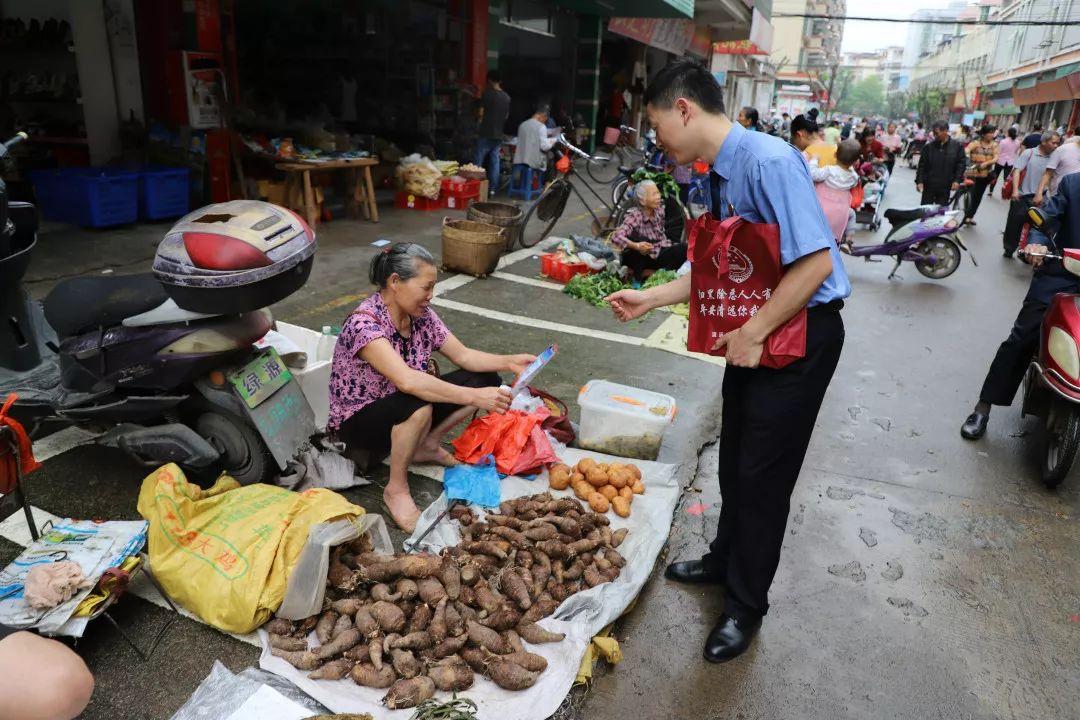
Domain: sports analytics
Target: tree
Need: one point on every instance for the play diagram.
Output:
(896, 105)
(866, 97)
(928, 103)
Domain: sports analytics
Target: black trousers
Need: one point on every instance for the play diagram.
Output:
(669, 258)
(1014, 355)
(768, 417)
(936, 196)
(369, 427)
(977, 192)
(1014, 223)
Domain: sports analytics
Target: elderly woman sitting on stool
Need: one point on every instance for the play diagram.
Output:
(642, 237)
(382, 395)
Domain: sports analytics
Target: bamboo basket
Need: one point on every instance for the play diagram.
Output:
(499, 214)
(472, 247)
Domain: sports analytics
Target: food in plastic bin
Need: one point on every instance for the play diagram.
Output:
(622, 420)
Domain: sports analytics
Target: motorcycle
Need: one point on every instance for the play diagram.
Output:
(153, 363)
(912, 150)
(926, 236)
(1052, 382)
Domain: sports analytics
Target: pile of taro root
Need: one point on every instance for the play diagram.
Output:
(421, 622)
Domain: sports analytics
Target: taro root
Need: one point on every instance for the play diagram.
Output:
(486, 637)
(450, 575)
(333, 670)
(449, 646)
(390, 617)
(510, 676)
(406, 588)
(451, 677)
(431, 590)
(533, 633)
(300, 659)
(420, 618)
(365, 623)
(285, 642)
(405, 663)
(381, 591)
(368, 676)
(280, 626)
(346, 640)
(409, 693)
(347, 606)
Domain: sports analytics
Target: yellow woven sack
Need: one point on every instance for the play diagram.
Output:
(225, 553)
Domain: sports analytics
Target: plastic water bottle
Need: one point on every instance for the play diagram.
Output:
(327, 341)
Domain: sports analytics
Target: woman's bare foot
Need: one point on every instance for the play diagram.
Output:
(435, 454)
(402, 509)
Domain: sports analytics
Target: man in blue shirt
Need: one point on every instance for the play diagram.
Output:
(768, 414)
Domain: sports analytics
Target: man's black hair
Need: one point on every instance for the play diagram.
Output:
(1037, 127)
(687, 79)
(940, 125)
(493, 76)
(803, 122)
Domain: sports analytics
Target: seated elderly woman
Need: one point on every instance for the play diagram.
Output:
(642, 235)
(383, 398)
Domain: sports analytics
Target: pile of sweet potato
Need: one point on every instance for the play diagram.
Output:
(417, 623)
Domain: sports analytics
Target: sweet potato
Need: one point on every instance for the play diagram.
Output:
(300, 659)
(280, 626)
(599, 503)
(413, 641)
(486, 637)
(381, 591)
(340, 644)
(450, 575)
(285, 642)
(366, 675)
(618, 536)
(405, 663)
(509, 675)
(449, 646)
(365, 623)
(420, 618)
(409, 693)
(390, 617)
(529, 661)
(347, 606)
(621, 506)
(333, 670)
(343, 623)
(452, 677)
(517, 590)
(609, 492)
(437, 625)
(502, 619)
(533, 633)
(638, 487)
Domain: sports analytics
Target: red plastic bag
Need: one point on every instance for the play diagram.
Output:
(735, 267)
(516, 439)
(23, 456)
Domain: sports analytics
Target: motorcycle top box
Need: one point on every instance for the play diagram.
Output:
(235, 256)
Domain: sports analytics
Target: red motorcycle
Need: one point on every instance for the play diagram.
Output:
(1052, 383)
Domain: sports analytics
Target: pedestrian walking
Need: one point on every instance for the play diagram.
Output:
(1026, 175)
(983, 156)
(1050, 278)
(941, 166)
(1033, 138)
(768, 414)
(748, 118)
(494, 109)
(1008, 148)
(1064, 161)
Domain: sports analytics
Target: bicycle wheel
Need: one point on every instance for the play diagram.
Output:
(544, 213)
(619, 190)
(604, 166)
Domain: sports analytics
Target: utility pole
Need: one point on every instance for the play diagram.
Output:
(831, 103)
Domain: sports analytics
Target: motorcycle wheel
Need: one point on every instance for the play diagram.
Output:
(1062, 442)
(946, 254)
(244, 455)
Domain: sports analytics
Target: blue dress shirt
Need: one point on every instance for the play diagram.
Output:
(765, 180)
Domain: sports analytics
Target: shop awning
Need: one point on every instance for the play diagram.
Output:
(999, 86)
(674, 36)
(1003, 110)
(1066, 70)
(1026, 82)
(682, 9)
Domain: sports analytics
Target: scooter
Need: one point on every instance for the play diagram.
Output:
(932, 243)
(162, 365)
(1052, 382)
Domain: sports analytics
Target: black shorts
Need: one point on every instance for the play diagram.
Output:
(369, 427)
(5, 631)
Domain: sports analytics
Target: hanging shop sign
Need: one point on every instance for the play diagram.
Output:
(673, 36)
(759, 42)
(700, 42)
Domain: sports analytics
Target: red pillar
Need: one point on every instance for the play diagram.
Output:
(477, 43)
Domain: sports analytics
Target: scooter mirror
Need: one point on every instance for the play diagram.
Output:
(1070, 260)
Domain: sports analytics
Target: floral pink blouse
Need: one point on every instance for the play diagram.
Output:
(636, 227)
(355, 383)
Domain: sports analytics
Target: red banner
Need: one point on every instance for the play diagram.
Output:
(640, 29)
(699, 45)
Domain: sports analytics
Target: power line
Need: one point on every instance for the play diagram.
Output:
(913, 21)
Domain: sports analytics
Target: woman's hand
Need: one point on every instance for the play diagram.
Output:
(628, 304)
(517, 363)
(492, 399)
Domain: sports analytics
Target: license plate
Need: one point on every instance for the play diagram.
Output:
(261, 378)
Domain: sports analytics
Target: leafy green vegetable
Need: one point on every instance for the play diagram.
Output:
(454, 709)
(594, 288)
(660, 277)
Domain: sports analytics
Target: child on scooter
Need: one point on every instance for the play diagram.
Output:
(833, 185)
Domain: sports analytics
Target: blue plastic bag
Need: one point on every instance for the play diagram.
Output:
(477, 484)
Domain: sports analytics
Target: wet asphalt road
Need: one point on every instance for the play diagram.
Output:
(924, 576)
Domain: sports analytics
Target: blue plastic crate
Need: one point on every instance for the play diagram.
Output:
(163, 193)
(91, 197)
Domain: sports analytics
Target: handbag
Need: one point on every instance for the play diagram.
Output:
(735, 267)
(558, 424)
(1007, 190)
(858, 196)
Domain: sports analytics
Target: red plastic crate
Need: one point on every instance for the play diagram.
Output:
(458, 195)
(562, 272)
(408, 201)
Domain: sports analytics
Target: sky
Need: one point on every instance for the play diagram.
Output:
(861, 36)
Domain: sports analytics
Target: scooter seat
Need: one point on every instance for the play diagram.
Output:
(84, 303)
(896, 216)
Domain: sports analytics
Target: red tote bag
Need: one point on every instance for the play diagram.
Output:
(735, 268)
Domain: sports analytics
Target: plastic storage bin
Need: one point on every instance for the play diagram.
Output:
(314, 377)
(408, 201)
(163, 193)
(458, 195)
(559, 271)
(623, 420)
(91, 197)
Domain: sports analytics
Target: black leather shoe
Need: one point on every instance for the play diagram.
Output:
(694, 572)
(729, 639)
(975, 425)
(1007, 253)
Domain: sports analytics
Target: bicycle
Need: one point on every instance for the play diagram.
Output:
(604, 166)
(549, 207)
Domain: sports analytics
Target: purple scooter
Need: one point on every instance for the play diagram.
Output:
(926, 235)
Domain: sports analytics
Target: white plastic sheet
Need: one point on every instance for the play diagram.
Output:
(580, 617)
